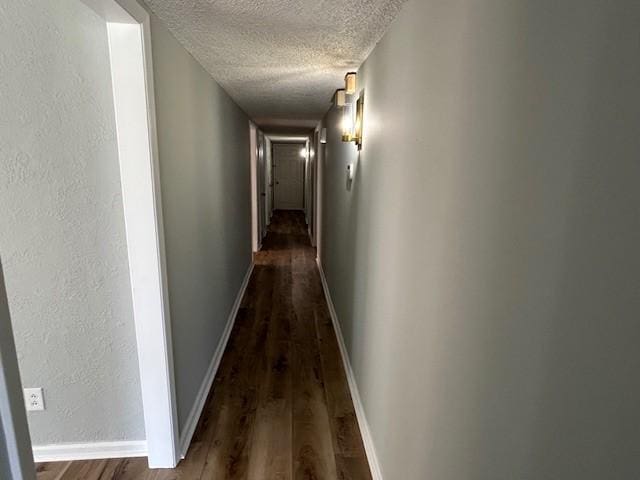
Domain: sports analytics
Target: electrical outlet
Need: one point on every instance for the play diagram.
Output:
(34, 399)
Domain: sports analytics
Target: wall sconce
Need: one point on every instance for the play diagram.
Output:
(323, 135)
(351, 117)
(352, 122)
(303, 153)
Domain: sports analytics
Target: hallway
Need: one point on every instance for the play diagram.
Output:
(280, 407)
(319, 240)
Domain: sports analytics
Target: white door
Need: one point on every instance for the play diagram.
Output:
(288, 167)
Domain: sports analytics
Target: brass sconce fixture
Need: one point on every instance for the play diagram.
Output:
(352, 115)
(359, 117)
(350, 83)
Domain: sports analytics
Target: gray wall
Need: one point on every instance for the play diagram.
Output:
(485, 262)
(205, 178)
(62, 235)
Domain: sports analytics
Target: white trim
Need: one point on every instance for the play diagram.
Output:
(372, 457)
(156, 447)
(203, 393)
(253, 159)
(129, 31)
(320, 150)
(14, 431)
(67, 452)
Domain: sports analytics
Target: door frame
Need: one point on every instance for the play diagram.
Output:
(319, 180)
(253, 159)
(268, 180)
(270, 140)
(129, 29)
(261, 191)
(313, 183)
(302, 143)
(14, 429)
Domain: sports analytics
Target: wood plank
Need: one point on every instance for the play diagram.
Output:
(271, 457)
(127, 469)
(51, 470)
(86, 470)
(312, 444)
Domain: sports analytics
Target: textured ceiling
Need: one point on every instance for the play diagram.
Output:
(281, 60)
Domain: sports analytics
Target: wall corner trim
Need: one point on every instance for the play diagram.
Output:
(194, 416)
(66, 452)
(372, 457)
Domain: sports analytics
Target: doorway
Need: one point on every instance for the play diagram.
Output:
(288, 170)
(129, 38)
(260, 185)
(262, 190)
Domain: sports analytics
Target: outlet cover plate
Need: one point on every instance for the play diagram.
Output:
(34, 399)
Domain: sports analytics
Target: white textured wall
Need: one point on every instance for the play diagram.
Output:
(485, 263)
(62, 233)
(203, 139)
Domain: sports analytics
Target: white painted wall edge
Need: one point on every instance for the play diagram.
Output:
(129, 31)
(141, 14)
(372, 457)
(143, 245)
(67, 452)
(319, 186)
(205, 388)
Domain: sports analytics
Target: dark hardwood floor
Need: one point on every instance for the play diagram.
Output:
(280, 406)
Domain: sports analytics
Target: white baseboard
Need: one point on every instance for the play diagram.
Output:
(372, 457)
(65, 452)
(203, 393)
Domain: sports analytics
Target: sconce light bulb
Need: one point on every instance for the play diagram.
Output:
(347, 125)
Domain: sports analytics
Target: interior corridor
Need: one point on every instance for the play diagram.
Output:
(320, 240)
(280, 407)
